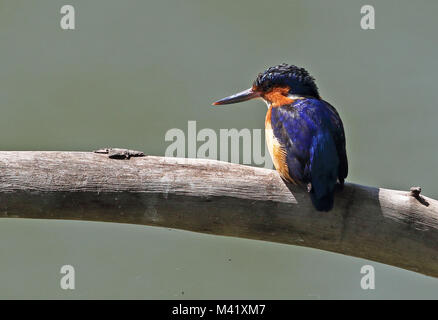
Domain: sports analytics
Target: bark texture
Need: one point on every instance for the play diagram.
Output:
(398, 228)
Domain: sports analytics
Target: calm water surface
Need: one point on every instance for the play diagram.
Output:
(134, 69)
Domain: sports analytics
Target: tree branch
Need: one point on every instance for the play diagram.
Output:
(399, 228)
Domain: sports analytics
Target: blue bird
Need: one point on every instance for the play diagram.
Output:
(304, 134)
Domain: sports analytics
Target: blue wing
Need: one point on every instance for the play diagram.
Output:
(339, 138)
(312, 135)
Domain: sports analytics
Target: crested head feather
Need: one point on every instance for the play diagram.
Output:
(299, 81)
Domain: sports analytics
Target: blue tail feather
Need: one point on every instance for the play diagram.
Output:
(324, 164)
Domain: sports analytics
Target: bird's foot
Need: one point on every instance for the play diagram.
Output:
(309, 187)
(339, 186)
(118, 153)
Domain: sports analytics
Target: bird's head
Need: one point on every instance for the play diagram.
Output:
(277, 86)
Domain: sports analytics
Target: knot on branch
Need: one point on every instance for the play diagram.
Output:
(118, 153)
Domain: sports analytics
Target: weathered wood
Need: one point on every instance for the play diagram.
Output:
(399, 228)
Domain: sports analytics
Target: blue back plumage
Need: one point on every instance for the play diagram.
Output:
(311, 132)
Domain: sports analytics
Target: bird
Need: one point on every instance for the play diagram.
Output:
(304, 133)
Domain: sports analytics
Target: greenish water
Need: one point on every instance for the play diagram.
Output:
(134, 69)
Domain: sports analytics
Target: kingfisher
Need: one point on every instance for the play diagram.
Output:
(304, 134)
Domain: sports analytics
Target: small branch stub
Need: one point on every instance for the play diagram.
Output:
(415, 192)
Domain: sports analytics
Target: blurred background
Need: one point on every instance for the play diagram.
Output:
(132, 70)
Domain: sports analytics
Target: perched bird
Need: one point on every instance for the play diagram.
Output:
(304, 134)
